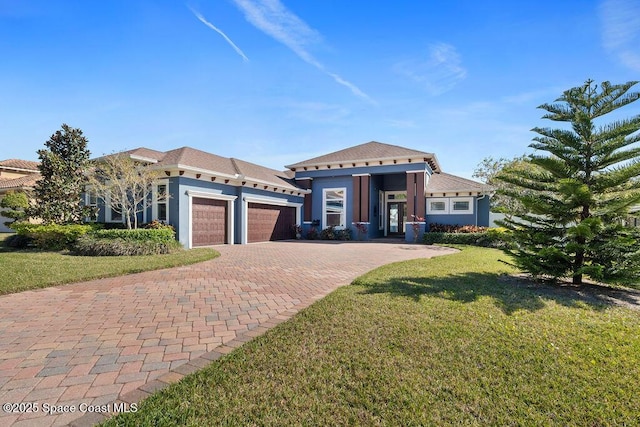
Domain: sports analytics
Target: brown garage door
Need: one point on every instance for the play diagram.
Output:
(268, 222)
(209, 222)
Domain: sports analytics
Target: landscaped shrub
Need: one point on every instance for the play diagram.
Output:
(492, 238)
(331, 233)
(313, 234)
(53, 237)
(92, 245)
(165, 234)
(18, 241)
(448, 228)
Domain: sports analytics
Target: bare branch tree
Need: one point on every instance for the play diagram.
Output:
(126, 183)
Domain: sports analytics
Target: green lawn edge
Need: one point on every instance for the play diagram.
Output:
(28, 270)
(424, 342)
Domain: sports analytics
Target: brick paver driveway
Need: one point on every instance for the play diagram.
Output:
(114, 340)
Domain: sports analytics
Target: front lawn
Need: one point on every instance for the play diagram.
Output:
(26, 269)
(426, 342)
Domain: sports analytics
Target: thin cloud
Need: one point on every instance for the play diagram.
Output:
(440, 72)
(621, 30)
(275, 20)
(219, 31)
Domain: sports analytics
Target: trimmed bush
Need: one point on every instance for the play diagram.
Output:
(448, 228)
(165, 234)
(92, 245)
(18, 241)
(492, 238)
(331, 233)
(54, 237)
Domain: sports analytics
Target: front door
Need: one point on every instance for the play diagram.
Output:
(396, 217)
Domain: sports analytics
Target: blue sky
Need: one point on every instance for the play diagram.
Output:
(279, 81)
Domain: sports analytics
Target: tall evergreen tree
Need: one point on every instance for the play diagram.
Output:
(63, 166)
(576, 195)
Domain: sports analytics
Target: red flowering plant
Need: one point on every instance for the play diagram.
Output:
(416, 227)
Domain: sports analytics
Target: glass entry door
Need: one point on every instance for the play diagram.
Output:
(396, 217)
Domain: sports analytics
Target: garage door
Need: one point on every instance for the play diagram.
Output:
(209, 222)
(268, 222)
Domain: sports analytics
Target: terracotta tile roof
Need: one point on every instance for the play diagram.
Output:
(445, 182)
(369, 151)
(19, 164)
(187, 156)
(261, 173)
(27, 181)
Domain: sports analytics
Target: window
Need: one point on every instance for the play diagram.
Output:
(91, 201)
(460, 206)
(113, 211)
(450, 205)
(161, 203)
(438, 206)
(334, 207)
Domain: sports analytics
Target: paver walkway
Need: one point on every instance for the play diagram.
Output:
(115, 340)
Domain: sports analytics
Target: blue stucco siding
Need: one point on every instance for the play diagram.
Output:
(483, 204)
(451, 219)
(480, 215)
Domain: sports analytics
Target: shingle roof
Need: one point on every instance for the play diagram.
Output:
(369, 151)
(20, 164)
(187, 156)
(261, 173)
(146, 152)
(445, 182)
(22, 182)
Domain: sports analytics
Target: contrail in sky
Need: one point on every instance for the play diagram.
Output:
(274, 19)
(219, 31)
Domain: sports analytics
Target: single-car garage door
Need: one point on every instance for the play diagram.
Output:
(269, 222)
(209, 222)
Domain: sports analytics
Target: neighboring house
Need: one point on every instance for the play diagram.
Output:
(16, 175)
(215, 200)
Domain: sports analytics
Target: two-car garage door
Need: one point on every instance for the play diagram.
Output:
(264, 222)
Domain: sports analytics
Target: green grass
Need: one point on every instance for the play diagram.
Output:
(26, 269)
(426, 342)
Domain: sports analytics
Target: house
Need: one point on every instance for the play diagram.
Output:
(384, 188)
(16, 175)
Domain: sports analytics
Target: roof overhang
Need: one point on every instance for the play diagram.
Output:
(428, 158)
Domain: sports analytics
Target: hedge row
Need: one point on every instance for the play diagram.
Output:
(489, 239)
(53, 237)
(91, 245)
(165, 234)
(90, 239)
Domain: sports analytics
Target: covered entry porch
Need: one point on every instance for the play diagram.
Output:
(390, 204)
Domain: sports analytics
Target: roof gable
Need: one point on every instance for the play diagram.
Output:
(369, 152)
(447, 183)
